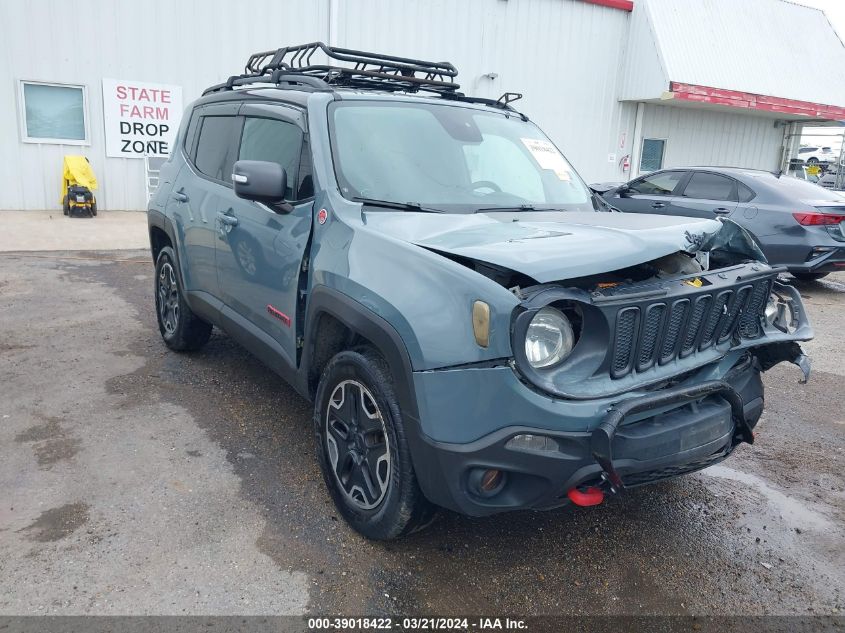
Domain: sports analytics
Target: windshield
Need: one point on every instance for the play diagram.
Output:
(449, 158)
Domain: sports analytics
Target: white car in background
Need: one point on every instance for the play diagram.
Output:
(814, 155)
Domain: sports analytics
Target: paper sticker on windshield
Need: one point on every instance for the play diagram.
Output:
(548, 157)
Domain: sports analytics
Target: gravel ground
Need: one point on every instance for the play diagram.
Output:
(138, 481)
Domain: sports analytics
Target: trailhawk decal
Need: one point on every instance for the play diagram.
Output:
(278, 314)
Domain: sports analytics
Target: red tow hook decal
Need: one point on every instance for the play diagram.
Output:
(592, 496)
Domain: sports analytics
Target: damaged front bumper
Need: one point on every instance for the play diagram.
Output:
(601, 439)
(606, 444)
(652, 436)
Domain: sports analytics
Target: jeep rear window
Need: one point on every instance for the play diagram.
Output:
(452, 158)
(214, 155)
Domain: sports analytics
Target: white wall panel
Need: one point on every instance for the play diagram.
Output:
(700, 137)
(645, 76)
(192, 43)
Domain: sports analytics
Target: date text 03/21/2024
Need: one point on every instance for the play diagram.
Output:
(413, 624)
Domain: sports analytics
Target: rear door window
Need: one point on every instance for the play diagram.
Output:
(707, 186)
(214, 155)
(660, 184)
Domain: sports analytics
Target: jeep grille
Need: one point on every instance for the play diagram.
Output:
(661, 331)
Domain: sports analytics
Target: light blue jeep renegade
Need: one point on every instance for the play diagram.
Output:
(477, 329)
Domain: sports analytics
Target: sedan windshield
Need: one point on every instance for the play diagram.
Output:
(452, 158)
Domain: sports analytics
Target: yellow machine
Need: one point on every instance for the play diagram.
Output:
(78, 183)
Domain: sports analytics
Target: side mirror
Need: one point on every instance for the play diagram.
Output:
(259, 180)
(622, 191)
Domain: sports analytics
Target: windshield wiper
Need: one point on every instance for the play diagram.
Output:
(518, 207)
(402, 206)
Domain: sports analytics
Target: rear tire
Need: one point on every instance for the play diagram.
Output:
(93, 209)
(65, 206)
(809, 276)
(180, 328)
(362, 449)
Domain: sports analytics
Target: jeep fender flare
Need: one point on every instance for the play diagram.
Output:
(158, 220)
(202, 304)
(364, 322)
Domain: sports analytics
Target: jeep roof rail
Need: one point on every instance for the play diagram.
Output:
(294, 65)
(277, 77)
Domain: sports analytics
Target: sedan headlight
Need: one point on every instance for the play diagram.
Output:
(549, 338)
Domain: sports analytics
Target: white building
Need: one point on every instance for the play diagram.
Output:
(622, 86)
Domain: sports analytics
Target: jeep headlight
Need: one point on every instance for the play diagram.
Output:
(780, 313)
(549, 338)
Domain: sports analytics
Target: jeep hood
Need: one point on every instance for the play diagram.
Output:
(548, 246)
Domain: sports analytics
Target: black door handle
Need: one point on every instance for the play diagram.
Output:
(721, 211)
(658, 205)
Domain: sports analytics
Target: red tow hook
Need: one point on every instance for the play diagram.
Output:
(592, 496)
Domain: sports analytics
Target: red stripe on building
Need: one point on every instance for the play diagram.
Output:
(737, 99)
(624, 5)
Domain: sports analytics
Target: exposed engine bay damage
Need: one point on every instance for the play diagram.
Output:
(547, 245)
(697, 252)
(503, 276)
(730, 245)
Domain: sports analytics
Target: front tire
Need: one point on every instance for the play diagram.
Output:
(180, 328)
(362, 449)
(809, 276)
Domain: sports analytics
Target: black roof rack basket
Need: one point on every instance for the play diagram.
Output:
(359, 69)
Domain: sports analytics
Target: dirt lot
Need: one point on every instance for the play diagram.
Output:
(137, 481)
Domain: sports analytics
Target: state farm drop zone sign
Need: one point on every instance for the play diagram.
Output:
(141, 119)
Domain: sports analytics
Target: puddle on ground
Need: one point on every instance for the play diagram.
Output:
(795, 513)
(57, 523)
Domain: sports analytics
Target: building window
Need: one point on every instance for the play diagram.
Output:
(53, 113)
(652, 156)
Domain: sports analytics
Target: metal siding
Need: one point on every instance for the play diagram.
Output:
(644, 76)
(193, 43)
(563, 55)
(756, 46)
(697, 137)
